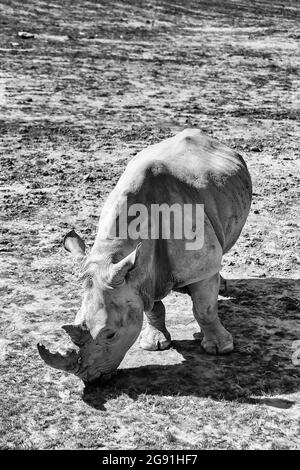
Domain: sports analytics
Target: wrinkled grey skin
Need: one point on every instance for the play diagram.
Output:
(124, 277)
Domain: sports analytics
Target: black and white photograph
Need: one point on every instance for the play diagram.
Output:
(149, 227)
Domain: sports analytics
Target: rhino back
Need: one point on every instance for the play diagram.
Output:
(188, 168)
(192, 167)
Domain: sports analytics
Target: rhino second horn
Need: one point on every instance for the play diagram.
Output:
(68, 362)
(79, 334)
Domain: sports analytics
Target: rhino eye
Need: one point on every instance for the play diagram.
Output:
(110, 335)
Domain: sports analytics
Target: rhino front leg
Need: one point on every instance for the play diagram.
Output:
(217, 340)
(223, 286)
(156, 336)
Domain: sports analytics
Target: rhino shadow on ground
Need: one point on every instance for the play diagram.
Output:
(262, 315)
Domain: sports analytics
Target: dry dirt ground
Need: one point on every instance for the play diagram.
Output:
(97, 82)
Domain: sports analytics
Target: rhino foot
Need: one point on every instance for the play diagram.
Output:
(155, 340)
(218, 344)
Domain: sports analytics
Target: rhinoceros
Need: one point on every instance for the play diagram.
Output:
(127, 276)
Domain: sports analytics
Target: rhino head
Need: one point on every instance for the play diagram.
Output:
(109, 320)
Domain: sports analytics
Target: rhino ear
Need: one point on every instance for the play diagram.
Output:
(73, 243)
(120, 269)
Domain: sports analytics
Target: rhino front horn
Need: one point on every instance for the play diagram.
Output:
(68, 362)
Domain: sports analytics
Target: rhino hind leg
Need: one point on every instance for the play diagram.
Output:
(216, 340)
(155, 336)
